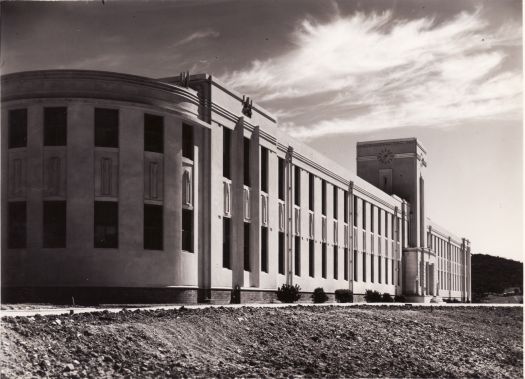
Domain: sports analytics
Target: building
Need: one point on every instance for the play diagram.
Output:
(120, 188)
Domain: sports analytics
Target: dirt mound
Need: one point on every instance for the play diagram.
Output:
(309, 341)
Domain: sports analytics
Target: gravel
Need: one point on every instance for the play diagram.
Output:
(361, 341)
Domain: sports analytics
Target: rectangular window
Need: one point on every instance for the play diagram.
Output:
(388, 221)
(345, 265)
(153, 133)
(363, 212)
(379, 229)
(264, 249)
(297, 255)
(54, 224)
(398, 273)
(393, 270)
(281, 179)
(355, 265)
(17, 128)
(364, 266)
(17, 221)
(311, 258)
(355, 210)
(264, 169)
(55, 126)
(345, 206)
(372, 268)
(106, 127)
(379, 273)
(281, 253)
(336, 204)
(226, 152)
(247, 246)
(297, 181)
(311, 191)
(323, 260)
(153, 227)
(187, 141)
(226, 242)
(336, 262)
(386, 270)
(323, 198)
(187, 230)
(372, 228)
(106, 224)
(246, 164)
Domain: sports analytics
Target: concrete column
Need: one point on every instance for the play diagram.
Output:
(351, 236)
(237, 241)
(255, 208)
(288, 169)
(216, 207)
(422, 220)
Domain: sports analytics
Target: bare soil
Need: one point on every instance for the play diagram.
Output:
(362, 341)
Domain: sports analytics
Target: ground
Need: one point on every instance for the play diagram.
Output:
(362, 341)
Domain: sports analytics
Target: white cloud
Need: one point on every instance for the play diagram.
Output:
(206, 33)
(402, 72)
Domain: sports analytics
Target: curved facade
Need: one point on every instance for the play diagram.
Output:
(123, 188)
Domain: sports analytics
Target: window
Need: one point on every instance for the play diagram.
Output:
(311, 258)
(323, 260)
(372, 218)
(187, 230)
(364, 266)
(55, 126)
(106, 224)
(297, 181)
(379, 263)
(345, 265)
(311, 191)
(386, 270)
(392, 278)
(355, 210)
(226, 152)
(281, 179)
(247, 246)
(246, 165)
(323, 198)
(187, 141)
(363, 218)
(281, 253)
(17, 128)
(297, 255)
(398, 273)
(379, 229)
(336, 262)
(372, 268)
(264, 169)
(153, 227)
(345, 206)
(264, 249)
(54, 224)
(226, 242)
(153, 133)
(106, 127)
(17, 220)
(336, 203)
(355, 265)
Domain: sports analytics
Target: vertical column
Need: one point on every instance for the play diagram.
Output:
(173, 193)
(422, 221)
(237, 242)
(216, 204)
(205, 198)
(351, 237)
(255, 226)
(289, 215)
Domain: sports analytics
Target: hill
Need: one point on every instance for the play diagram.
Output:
(494, 274)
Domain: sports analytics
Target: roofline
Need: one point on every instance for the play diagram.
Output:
(376, 142)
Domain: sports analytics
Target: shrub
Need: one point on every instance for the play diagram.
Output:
(344, 296)
(387, 298)
(372, 296)
(288, 293)
(319, 296)
(400, 299)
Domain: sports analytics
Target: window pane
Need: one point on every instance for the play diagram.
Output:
(281, 253)
(106, 127)
(54, 224)
(323, 260)
(297, 181)
(297, 256)
(226, 152)
(17, 128)
(247, 246)
(153, 227)
(311, 258)
(264, 249)
(336, 262)
(187, 141)
(226, 237)
(153, 133)
(264, 169)
(281, 179)
(311, 191)
(106, 224)
(17, 221)
(187, 230)
(336, 204)
(55, 126)
(246, 164)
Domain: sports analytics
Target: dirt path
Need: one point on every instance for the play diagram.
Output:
(312, 341)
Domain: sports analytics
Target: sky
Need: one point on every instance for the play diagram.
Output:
(448, 72)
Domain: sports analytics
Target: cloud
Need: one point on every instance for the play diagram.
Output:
(396, 72)
(201, 34)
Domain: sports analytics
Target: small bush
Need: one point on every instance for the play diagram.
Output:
(387, 298)
(344, 296)
(400, 299)
(319, 296)
(288, 293)
(372, 296)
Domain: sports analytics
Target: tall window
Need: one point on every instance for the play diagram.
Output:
(336, 203)
(323, 260)
(247, 179)
(297, 255)
(264, 249)
(247, 246)
(392, 278)
(153, 133)
(323, 198)
(364, 266)
(386, 270)
(17, 224)
(345, 266)
(226, 152)
(54, 224)
(311, 258)
(17, 120)
(336, 262)
(281, 253)
(372, 268)
(106, 224)
(226, 242)
(55, 126)
(311, 191)
(379, 271)
(264, 169)
(372, 227)
(379, 229)
(187, 141)
(106, 127)
(355, 210)
(187, 230)
(281, 179)
(297, 180)
(153, 227)
(345, 206)
(363, 213)
(355, 265)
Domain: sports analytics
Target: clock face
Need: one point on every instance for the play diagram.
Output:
(385, 156)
